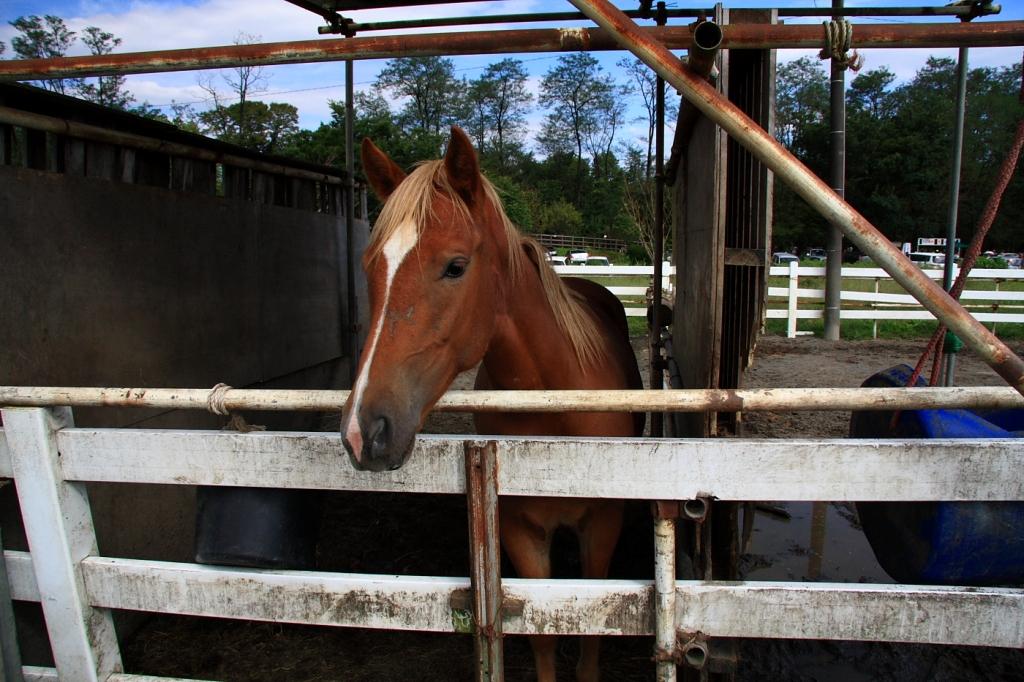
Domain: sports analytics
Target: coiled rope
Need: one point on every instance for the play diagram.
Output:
(838, 41)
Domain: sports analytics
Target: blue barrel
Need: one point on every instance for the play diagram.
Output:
(942, 543)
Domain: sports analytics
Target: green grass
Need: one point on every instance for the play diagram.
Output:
(857, 330)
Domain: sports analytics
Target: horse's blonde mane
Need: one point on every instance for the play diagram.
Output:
(412, 202)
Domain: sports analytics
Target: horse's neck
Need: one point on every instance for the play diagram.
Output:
(529, 350)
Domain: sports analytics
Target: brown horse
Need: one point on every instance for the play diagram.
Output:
(452, 282)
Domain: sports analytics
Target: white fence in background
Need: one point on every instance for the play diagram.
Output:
(668, 274)
(985, 306)
(50, 459)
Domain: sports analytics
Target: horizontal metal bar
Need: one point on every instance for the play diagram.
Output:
(728, 469)
(668, 400)
(60, 126)
(838, 611)
(746, 36)
(952, 11)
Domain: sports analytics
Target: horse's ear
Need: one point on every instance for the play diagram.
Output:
(461, 164)
(383, 174)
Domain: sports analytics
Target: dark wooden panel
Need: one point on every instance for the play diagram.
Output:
(117, 284)
(699, 253)
(6, 144)
(236, 182)
(299, 310)
(74, 157)
(36, 155)
(188, 175)
(101, 161)
(152, 169)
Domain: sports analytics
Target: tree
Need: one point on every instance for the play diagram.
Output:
(243, 82)
(645, 82)
(802, 104)
(44, 38)
(499, 102)
(108, 90)
(580, 97)
(432, 92)
(265, 127)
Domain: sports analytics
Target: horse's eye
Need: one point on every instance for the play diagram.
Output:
(456, 269)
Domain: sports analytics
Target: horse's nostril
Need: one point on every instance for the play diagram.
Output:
(380, 435)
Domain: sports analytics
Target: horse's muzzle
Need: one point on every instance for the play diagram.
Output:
(375, 446)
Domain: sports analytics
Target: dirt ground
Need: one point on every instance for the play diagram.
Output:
(426, 535)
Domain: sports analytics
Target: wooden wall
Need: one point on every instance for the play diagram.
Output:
(722, 234)
(124, 267)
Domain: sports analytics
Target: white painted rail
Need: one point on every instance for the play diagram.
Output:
(986, 306)
(604, 271)
(728, 469)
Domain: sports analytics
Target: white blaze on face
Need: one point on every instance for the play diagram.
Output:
(394, 252)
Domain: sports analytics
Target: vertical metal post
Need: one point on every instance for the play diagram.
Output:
(657, 378)
(485, 558)
(837, 172)
(954, 192)
(665, 515)
(58, 524)
(350, 220)
(10, 656)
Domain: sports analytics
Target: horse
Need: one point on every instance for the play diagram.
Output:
(453, 284)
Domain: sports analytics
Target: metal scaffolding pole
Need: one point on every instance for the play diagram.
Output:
(811, 188)
(954, 194)
(737, 36)
(837, 172)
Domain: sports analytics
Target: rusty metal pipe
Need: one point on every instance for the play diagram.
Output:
(695, 654)
(964, 12)
(811, 188)
(707, 38)
(745, 36)
(665, 595)
(485, 558)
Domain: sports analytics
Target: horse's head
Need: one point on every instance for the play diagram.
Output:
(436, 267)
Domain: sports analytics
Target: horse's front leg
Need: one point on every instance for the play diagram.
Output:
(528, 544)
(598, 534)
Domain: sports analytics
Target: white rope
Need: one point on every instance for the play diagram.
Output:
(215, 401)
(838, 41)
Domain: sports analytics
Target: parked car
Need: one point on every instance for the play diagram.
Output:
(597, 260)
(1012, 260)
(555, 260)
(783, 257)
(815, 254)
(578, 257)
(927, 260)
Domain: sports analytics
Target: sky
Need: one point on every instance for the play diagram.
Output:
(170, 24)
